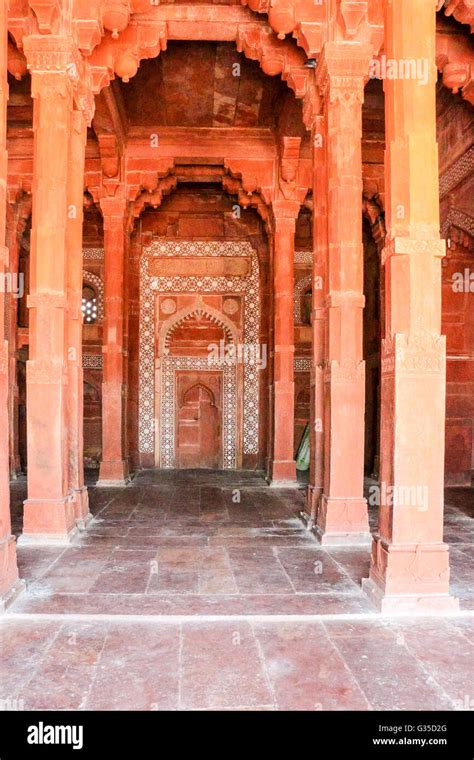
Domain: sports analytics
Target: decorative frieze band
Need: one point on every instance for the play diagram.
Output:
(302, 364)
(96, 254)
(304, 257)
(419, 351)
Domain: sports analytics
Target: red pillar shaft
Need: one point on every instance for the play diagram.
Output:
(410, 566)
(9, 583)
(74, 327)
(15, 226)
(316, 470)
(283, 466)
(49, 512)
(114, 466)
(342, 513)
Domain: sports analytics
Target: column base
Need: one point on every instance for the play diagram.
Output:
(80, 498)
(409, 604)
(113, 474)
(48, 522)
(10, 584)
(343, 521)
(307, 520)
(83, 523)
(313, 498)
(283, 474)
(410, 578)
(8, 597)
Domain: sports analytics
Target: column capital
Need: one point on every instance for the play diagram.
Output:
(342, 70)
(52, 53)
(113, 211)
(285, 210)
(55, 54)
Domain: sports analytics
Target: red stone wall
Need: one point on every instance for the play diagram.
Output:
(458, 326)
(455, 137)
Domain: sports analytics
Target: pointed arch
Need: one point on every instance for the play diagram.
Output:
(200, 310)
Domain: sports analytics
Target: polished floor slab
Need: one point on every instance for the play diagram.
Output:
(201, 590)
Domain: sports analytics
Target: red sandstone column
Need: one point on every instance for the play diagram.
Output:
(271, 362)
(342, 514)
(9, 583)
(410, 567)
(15, 225)
(316, 470)
(283, 466)
(74, 327)
(114, 466)
(49, 512)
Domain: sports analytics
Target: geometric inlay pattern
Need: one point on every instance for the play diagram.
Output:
(300, 287)
(302, 364)
(92, 361)
(456, 173)
(95, 254)
(95, 281)
(303, 257)
(458, 219)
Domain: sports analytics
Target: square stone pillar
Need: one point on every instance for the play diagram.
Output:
(114, 464)
(342, 512)
(15, 228)
(318, 322)
(75, 198)
(410, 568)
(283, 465)
(10, 585)
(49, 510)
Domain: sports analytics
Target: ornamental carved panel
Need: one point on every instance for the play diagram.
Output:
(245, 287)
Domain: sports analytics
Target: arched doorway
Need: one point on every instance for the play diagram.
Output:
(199, 421)
(196, 404)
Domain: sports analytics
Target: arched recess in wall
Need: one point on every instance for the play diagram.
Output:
(201, 310)
(171, 366)
(301, 288)
(97, 286)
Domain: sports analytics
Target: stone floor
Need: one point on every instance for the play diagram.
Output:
(198, 590)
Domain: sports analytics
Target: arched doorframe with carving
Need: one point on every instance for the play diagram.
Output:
(166, 402)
